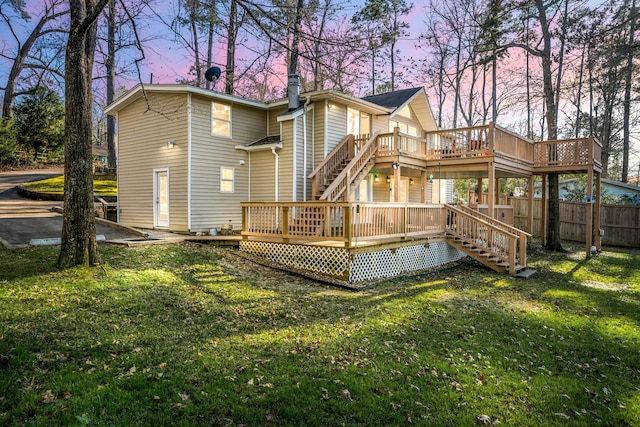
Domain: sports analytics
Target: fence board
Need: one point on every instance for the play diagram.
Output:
(621, 223)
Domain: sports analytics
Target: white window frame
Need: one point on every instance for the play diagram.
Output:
(224, 180)
(214, 119)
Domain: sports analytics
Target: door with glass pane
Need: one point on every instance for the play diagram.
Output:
(161, 198)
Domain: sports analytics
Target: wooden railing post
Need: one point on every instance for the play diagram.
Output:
(512, 255)
(346, 226)
(245, 222)
(285, 224)
(523, 249)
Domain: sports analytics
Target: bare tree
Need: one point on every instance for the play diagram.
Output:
(49, 23)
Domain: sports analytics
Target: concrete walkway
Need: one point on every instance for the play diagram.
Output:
(22, 220)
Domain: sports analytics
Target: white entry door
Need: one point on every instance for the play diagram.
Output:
(161, 198)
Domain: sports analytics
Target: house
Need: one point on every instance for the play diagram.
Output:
(347, 188)
(188, 156)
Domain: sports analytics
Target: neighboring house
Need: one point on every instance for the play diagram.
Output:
(611, 190)
(188, 156)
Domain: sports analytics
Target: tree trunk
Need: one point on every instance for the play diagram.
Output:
(111, 75)
(231, 48)
(627, 95)
(78, 246)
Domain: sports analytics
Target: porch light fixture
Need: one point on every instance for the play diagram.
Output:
(388, 179)
(410, 181)
(375, 178)
(395, 165)
(171, 144)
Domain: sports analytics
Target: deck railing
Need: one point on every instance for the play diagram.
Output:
(324, 172)
(567, 153)
(478, 141)
(347, 223)
(522, 235)
(495, 240)
(349, 175)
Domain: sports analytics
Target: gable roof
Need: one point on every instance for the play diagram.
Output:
(395, 99)
(140, 91)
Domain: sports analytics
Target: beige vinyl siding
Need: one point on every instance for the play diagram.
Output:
(285, 170)
(209, 207)
(380, 124)
(319, 115)
(337, 128)
(381, 189)
(263, 167)
(144, 130)
(274, 125)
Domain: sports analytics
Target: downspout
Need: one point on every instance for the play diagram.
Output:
(304, 150)
(273, 150)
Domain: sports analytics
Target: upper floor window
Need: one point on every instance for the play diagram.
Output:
(220, 119)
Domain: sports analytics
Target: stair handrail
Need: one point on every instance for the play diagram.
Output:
(343, 151)
(493, 221)
(510, 257)
(351, 171)
(523, 235)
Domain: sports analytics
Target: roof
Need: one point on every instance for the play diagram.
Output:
(140, 89)
(393, 99)
(262, 144)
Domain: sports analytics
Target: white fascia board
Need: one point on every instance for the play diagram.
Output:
(259, 147)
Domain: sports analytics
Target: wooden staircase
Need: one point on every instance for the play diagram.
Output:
(342, 171)
(494, 244)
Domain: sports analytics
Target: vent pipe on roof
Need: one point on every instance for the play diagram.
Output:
(293, 92)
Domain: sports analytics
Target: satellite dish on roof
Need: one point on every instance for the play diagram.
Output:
(213, 74)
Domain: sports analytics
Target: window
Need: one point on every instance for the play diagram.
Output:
(358, 123)
(226, 179)
(220, 119)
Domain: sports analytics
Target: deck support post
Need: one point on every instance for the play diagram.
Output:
(543, 228)
(347, 226)
(423, 187)
(491, 196)
(479, 192)
(596, 214)
(589, 207)
(396, 184)
(285, 224)
(530, 206)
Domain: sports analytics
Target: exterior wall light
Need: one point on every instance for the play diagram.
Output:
(375, 178)
(395, 165)
(410, 181)
(388, 179)
(171, 144)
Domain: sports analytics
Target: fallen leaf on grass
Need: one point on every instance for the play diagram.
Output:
(48, 397)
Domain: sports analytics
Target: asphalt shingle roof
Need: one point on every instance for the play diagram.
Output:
(392, 99)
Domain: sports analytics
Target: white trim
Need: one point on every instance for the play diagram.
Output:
(117, 174)
(325, 150)
(189, 153)
(294, 186)
(277, 145)
(249, 177)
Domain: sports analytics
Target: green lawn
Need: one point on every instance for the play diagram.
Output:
(55, 185)
(193, 335)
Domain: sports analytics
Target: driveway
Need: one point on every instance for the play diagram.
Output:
(22, 220)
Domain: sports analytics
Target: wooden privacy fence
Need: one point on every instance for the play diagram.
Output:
(621, 223)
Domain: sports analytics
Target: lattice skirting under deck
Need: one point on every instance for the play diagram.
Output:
(354, 267)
